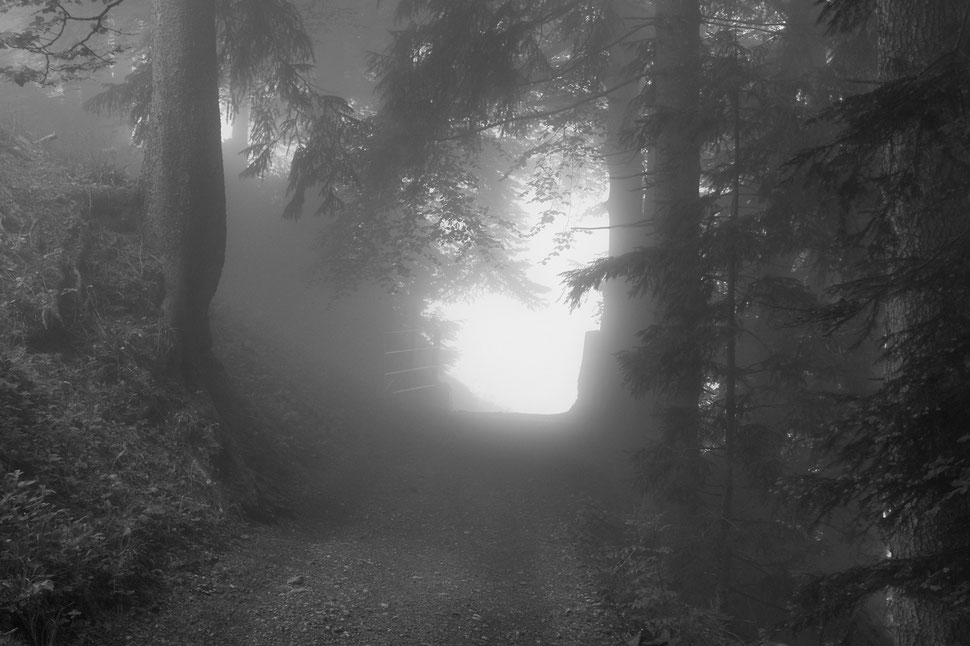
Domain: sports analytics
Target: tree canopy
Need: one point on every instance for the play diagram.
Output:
(819, 176)
(787, 212)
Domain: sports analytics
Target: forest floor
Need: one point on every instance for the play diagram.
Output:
(444, 529)
(403, 527)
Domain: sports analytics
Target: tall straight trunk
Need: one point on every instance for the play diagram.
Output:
(623, 315)
(681, 300)
(604, 394)
(625, 165)
(186, 200)
(913, 36)
(732, 413)
(677, 214)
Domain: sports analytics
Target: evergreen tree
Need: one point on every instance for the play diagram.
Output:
(262, 57)
(626, 31)
(186, 201)
(569, 75)
(899, 454)
(681, 289)
(766, 375)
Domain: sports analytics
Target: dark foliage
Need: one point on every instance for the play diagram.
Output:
(107, 470)
(900, 453)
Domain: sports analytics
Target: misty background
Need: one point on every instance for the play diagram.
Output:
(502, 354)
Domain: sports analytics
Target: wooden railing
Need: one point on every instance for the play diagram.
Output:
(412, 360)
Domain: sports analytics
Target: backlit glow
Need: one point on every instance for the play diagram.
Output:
(525, 360)
(226, 127)
(518, 359)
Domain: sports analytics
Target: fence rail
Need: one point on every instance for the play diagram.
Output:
(412, 360)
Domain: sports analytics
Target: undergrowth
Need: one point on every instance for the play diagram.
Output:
(93, 501)
(110, 475)
(634, 565)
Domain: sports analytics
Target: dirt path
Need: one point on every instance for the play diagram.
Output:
(454, 530)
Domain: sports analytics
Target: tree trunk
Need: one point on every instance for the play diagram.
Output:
(186, 201)
(682, 298)
(677, 210)
(913, 36)
(732, 413)
(603, 393)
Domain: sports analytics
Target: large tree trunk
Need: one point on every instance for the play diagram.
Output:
(682, 298)
(603, 393)
(186, 200)
(677, 216)
(922, 323)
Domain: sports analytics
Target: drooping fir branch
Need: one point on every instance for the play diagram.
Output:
(638, 268)
(897, 453)
(130, 98)
(266, 59)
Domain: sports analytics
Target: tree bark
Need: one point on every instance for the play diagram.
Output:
(186, 201)
(682, 299)
(913, 36)
(602, 385)
(677, 210)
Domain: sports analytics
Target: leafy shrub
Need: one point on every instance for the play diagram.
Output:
(109, 473)
(634, 562)
(92, 525)
(50, 562)
(102, 484)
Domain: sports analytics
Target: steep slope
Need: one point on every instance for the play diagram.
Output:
(109, 474)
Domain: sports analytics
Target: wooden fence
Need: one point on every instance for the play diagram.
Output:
(412, 360)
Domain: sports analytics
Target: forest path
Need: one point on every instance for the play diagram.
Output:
(430, 530)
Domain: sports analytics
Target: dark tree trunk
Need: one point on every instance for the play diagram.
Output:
(732, 413)
(926, 219)
(186, 201)
(677, 213)
(682, 299)
(625, 164)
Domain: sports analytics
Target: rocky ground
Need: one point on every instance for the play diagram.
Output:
(437, 530)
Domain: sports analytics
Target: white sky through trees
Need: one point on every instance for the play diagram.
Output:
(527, 360)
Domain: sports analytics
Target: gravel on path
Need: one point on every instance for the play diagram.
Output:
(430, 530)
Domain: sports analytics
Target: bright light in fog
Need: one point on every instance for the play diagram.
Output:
(226, 128)
(517, 359)
(523, 360)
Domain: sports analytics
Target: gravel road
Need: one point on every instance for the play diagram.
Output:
(429, 530)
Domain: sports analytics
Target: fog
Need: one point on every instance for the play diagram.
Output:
(500, 354)
(665, 454)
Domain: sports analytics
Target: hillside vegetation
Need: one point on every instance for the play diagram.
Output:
(111, 474)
